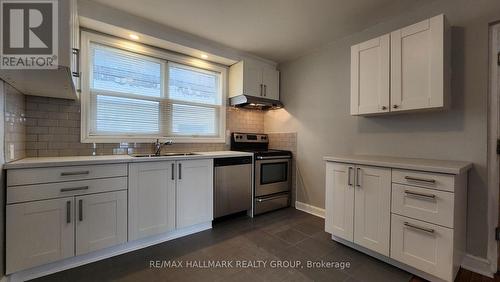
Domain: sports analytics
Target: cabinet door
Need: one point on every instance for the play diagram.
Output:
(339, 220)
(417, 65)
(372, 208)
(38, 233)
(194, 192)
(271, 81)
(151, 198)
(101, 221)
(252, 80)
(370, 76)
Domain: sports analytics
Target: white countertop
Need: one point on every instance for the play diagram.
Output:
(107, 159)
(441, 166)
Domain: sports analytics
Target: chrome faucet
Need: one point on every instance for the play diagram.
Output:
(158, 145)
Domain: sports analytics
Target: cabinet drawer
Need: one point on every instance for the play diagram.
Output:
(437, 181)
(36, 192)
(423, 204)
(28, 176)
(422, 245)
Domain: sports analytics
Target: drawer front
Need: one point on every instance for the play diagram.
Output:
(444, 182)
(28, 176)
(422, 245)
(27, 193)
(423, 204)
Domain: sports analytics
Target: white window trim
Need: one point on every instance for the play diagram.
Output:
(88, 37)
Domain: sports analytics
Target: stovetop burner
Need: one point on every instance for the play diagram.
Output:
(255, 143)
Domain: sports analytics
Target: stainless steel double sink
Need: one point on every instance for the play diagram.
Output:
(163, 155)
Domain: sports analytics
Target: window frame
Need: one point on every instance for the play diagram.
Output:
(88, 37)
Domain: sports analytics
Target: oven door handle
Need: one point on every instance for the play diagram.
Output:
(273, 157)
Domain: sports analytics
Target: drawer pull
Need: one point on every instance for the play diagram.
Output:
(420, 179)
(428, 230)
(69, 173)
(430, 196)
(74, 189)
(260, 200)
(80, 210)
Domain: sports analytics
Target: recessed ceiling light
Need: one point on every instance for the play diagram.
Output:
(204, 56)
(134, 36)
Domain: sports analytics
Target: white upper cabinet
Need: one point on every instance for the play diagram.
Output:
(254, 79)
(370, 76)
(62, 82)
(404, 71)
(418, 66)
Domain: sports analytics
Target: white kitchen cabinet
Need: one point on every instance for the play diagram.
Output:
(254, 79)
(372, 208)
(407, 212)
(339, 202)
(151, 198)
(194, 192)
(62, 82)
(419, 66)
(39, 232)
(406, 70)
(101, 221)
(358, 205)
(370, 76)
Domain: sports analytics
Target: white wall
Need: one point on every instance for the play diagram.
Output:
(315, 91)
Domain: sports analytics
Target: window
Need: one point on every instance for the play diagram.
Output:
(133, 93)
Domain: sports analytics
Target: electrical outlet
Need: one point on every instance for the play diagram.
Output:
(12, 152)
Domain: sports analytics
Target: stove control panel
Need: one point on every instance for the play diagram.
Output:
(250, 138)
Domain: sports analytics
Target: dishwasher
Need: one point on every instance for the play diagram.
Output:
(232, 185)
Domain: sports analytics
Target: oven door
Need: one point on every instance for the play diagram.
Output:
(272, 176)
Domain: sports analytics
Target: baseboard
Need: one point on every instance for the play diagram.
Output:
(477, 264)
(310, 209)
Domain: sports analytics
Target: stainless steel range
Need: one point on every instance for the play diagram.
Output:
(272, 171)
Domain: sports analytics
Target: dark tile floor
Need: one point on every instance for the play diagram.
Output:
(283, 236)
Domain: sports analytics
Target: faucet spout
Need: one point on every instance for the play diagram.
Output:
(158, 145)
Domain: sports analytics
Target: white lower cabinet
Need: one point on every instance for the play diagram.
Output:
(358, 201)
(166, 195)
(414, 219)
(39, 232)
(151, 198)
(424, 246)
(372, 208)
(101, 221)
(194, 192)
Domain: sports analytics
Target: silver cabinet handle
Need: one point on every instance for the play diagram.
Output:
(265, 90)
(69, 173)
(76, 52)
(428, 230)
(431, 196)
(74, 189)
(420, 179)
(349, 183)
(384, 108)
(80, 210)
(173, 173)
(180, 171)
(261, 89)
(68, 212)
(357, 177)
(395, 106)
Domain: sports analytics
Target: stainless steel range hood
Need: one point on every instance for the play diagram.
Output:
(251, 102)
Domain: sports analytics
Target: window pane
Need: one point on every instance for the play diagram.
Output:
(194, 120)
(191, 85)
(124, 115)
(122, 71)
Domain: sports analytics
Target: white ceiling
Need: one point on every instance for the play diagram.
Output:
(278, 30)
